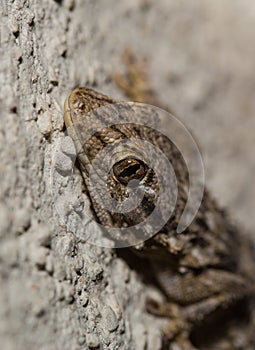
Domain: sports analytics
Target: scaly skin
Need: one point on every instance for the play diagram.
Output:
(205, 271)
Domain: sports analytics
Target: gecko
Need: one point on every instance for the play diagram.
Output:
(206, 273)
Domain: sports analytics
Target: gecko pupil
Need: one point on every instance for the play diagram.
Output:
(129, 169)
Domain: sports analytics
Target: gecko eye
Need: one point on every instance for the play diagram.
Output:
(129, 169)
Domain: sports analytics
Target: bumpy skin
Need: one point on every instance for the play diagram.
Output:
(206, 272)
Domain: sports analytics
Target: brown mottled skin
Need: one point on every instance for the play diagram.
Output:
(207, 271)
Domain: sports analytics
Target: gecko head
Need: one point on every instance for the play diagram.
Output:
(137, 171)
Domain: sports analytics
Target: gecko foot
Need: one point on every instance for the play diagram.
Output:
(177, 329)
(135, 81)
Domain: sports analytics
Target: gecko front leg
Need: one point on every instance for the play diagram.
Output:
(194, 298)
(135, 82)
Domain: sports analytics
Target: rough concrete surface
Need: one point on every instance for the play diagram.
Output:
(58, 292)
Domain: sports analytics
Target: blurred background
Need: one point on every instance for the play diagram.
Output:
(201, 58)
